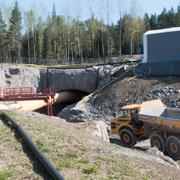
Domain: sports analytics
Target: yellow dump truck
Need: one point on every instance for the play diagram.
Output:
(151, 119)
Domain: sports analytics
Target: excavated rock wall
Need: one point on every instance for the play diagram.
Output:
(16, 77)
(40, 78)
(84, 79)
(73, 79)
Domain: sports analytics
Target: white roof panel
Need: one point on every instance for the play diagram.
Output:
(159, 31)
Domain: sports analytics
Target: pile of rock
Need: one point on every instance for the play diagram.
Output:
(169, 95)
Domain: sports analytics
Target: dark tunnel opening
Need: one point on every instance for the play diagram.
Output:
(63, 99)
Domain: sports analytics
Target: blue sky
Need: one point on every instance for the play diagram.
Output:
(83, 8)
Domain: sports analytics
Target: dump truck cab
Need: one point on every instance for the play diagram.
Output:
(127, 124)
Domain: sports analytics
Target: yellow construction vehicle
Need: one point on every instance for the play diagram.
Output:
(151, 119)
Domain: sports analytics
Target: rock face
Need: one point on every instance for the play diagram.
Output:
(85, 80)
(107, 73)
(40, 78)
(16, 77)
(73, 79)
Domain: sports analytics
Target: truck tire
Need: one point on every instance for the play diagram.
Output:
(157, 140)
(173, 146)
(128, 137)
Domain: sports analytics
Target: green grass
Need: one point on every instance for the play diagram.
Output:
(68, 160)
(146, 178)
(41, 145)
(84, 161)
(90, 169)
(119, 169)
(11, 113)
(65, 163)
(71, 154)
(4, 174)
(58, 134)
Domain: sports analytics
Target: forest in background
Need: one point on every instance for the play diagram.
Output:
(65, 40)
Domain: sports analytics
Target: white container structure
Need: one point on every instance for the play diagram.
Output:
(162, 45)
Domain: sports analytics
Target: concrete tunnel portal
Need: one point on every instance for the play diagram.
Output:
(63, 98)
(70, 85)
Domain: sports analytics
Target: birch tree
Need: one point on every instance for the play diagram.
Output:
(133, 25)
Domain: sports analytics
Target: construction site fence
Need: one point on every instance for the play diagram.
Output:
(65, 61)
(158, 69)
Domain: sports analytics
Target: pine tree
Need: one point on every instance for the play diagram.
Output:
(178, 16)
(3, 42)
(153, 22)
(15, 34)
(39, 38)
(171, 18)
(146, 23)
(47, 41)
(30, 20)
(54, 30)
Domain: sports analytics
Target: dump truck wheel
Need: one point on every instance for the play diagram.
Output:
(157, 140)
(173, 146)
(128, 137)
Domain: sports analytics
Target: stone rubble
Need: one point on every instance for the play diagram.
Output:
(169, 95)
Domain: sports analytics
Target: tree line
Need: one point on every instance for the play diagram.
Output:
(65, 40)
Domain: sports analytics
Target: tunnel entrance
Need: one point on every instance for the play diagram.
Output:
(63, 99)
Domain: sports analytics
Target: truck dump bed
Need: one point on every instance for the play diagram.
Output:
(171, 113)
(155, 113)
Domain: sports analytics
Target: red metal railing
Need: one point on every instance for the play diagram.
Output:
(24, 91)
(28, 93)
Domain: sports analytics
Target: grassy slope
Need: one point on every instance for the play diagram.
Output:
(14, 164)
(79, 156)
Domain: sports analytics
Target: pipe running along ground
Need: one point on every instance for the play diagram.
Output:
(42, 158)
